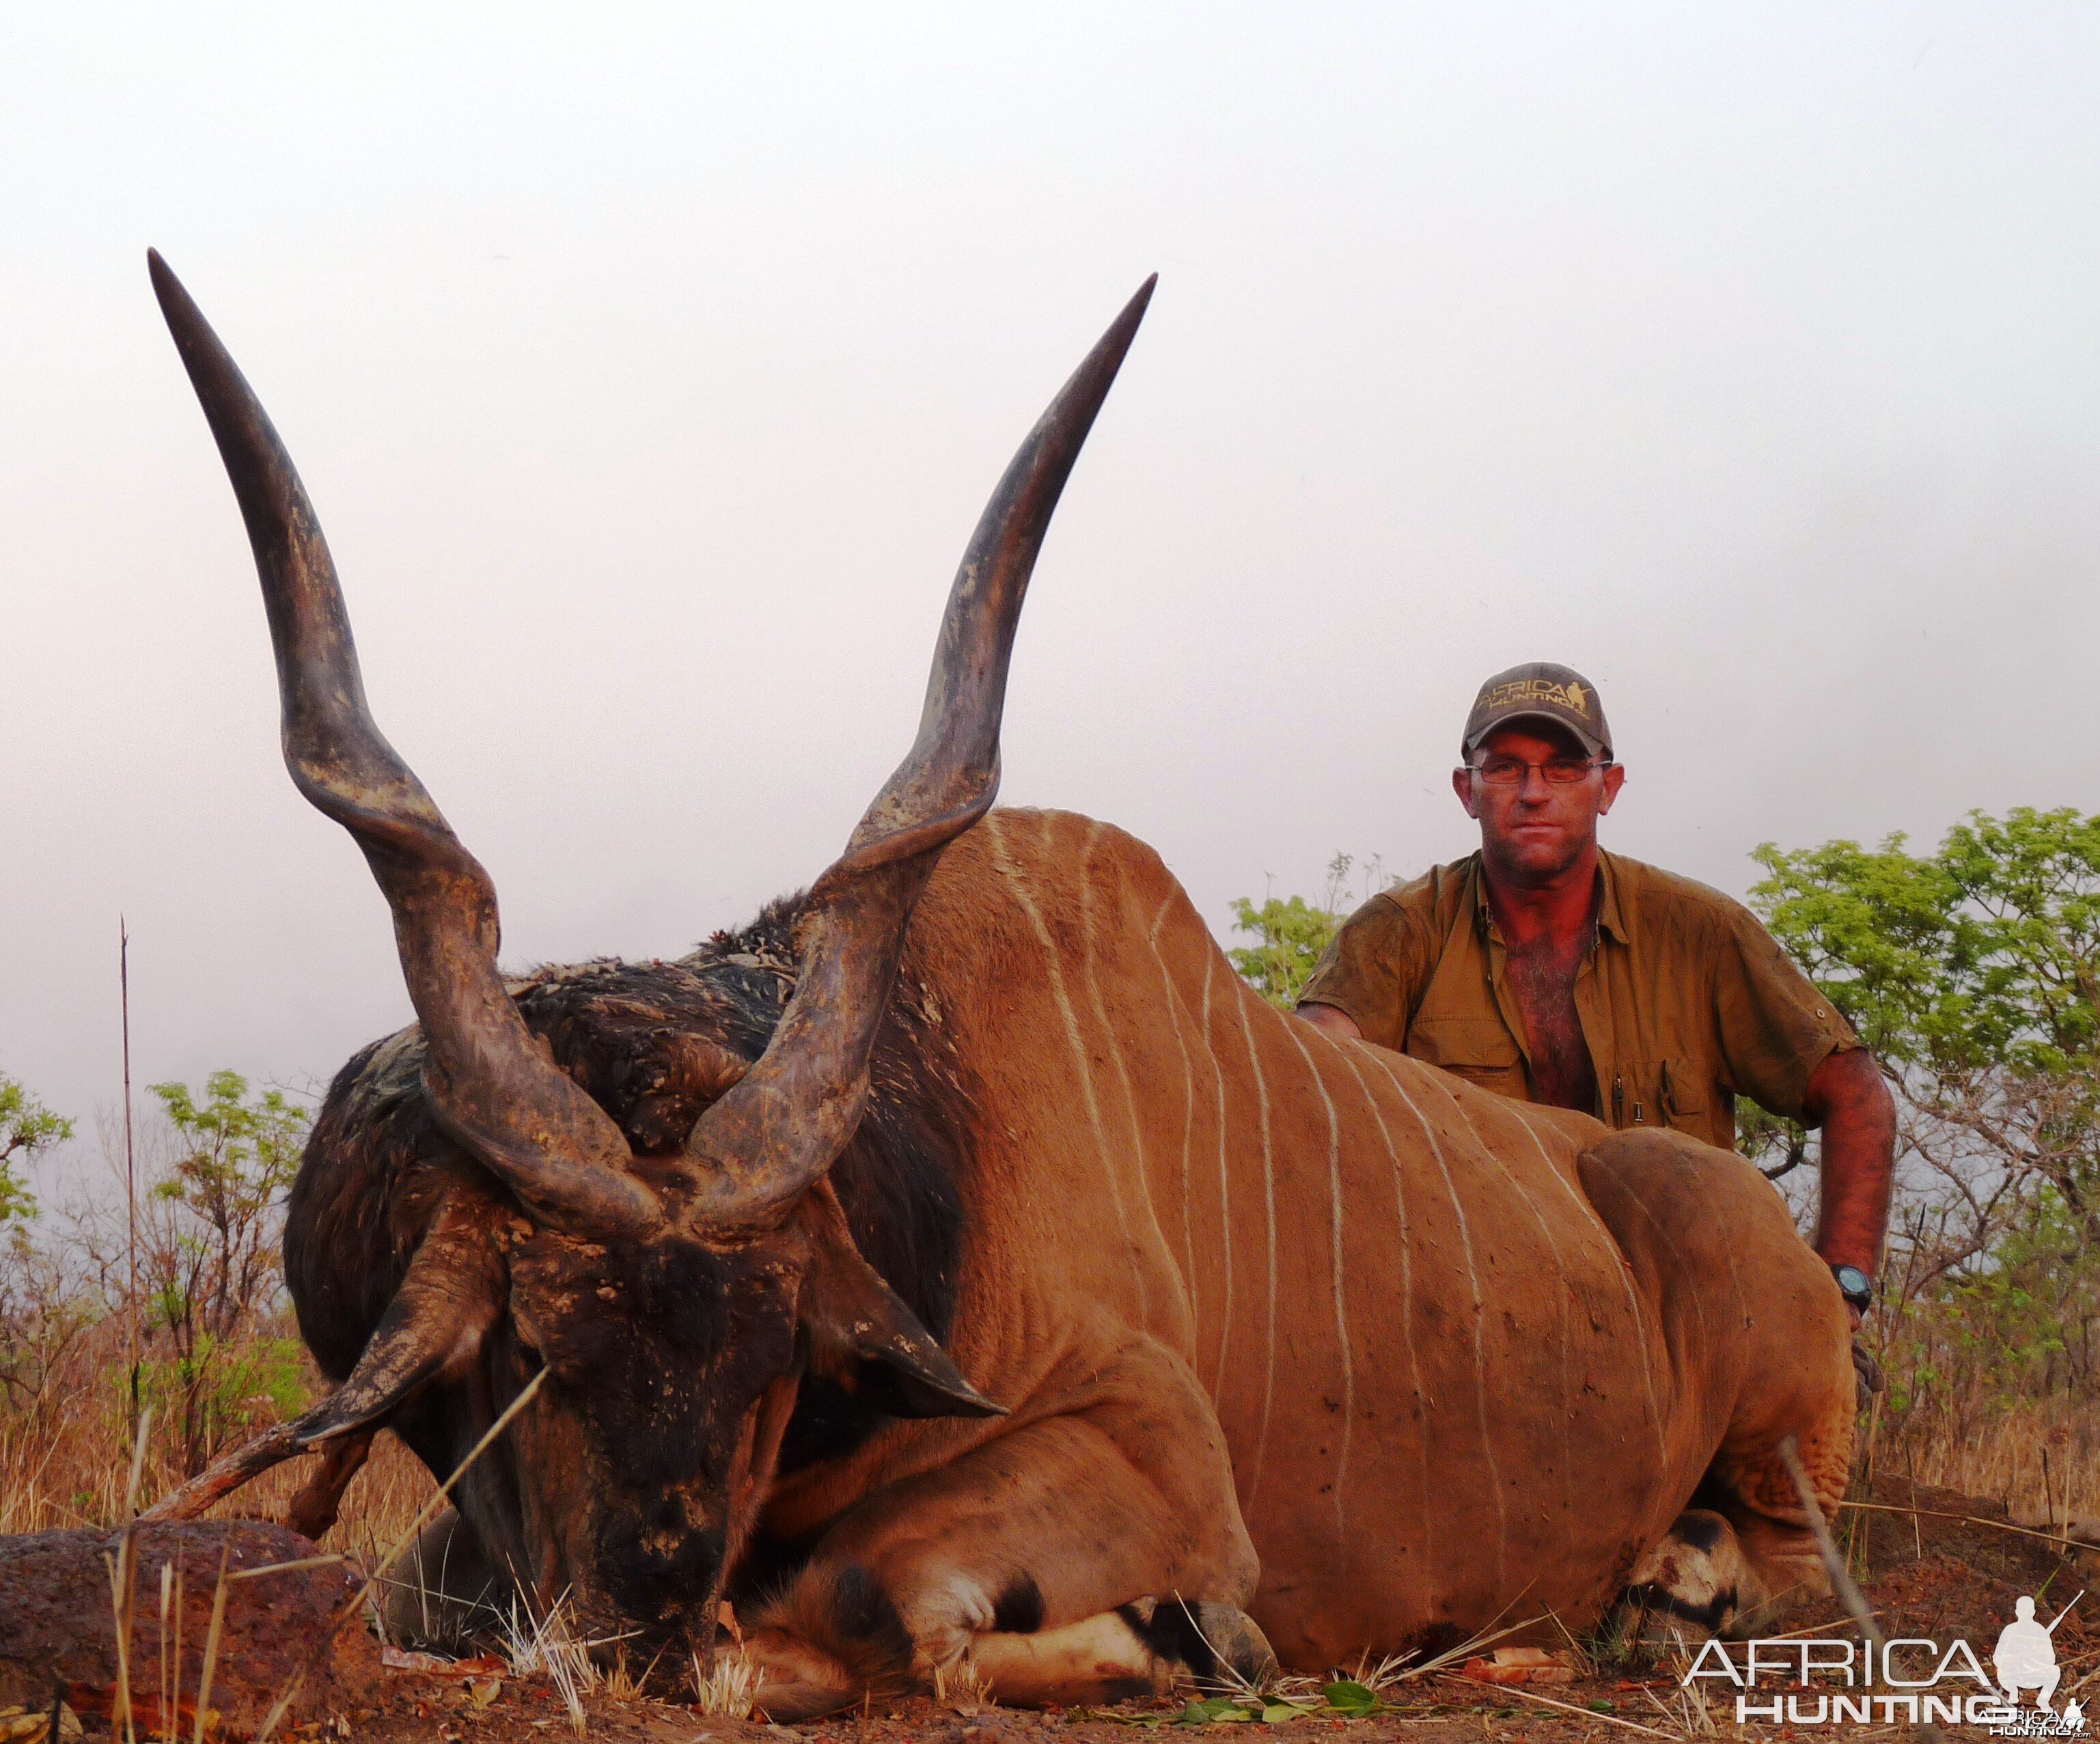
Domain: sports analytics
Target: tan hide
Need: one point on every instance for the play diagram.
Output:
(1458, 1358)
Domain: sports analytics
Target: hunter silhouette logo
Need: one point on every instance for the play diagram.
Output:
(1578, 699)
(2025, 1658)
(1803, 1681)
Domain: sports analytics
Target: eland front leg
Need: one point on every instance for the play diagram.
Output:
(1093, 1555)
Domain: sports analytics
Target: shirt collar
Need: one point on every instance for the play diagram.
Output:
(1611, 918)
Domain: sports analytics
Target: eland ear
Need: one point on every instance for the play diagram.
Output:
(862, 1335)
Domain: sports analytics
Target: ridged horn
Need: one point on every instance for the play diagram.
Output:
(758, 1148)
(494, 1090)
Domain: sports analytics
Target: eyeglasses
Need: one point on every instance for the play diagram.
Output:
(1560, 772)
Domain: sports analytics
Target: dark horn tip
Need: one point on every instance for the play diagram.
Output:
(177, 305)
(1133, 311)
(1083, 394)
(1105, 361)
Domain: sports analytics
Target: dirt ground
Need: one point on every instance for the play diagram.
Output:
(1933, 1566)
(1434, 1709)
(1449, 1712)
(1926, 1576)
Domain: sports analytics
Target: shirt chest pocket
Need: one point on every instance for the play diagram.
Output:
(1684, 1092)
(1477, 1049)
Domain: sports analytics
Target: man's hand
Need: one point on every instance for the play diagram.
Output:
(1851, 1105)
(1331, 1018)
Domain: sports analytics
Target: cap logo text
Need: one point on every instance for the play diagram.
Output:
(1572, 697)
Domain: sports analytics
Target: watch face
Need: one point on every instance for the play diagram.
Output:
(1853, 1284)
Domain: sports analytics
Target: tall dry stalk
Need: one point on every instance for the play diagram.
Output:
(160, 1683)
(213, 1635)
(130, 1163)
(123, 1584)
(1841, 1577)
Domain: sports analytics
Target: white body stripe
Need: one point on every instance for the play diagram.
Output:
(1626, 1279)
(1480, 1307)
(1560, 1273)
(992, 828)
(1335, 1220)
(1224, 1186)
(1109, 1041)
(1406, 1279)
(1269, 1206)
(1187, 1188)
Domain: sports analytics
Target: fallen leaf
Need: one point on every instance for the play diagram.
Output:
(146, 1715)
(436, 1665)
(1347, 1696)
(1527, 1671)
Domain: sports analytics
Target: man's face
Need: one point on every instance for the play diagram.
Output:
(1533, 829)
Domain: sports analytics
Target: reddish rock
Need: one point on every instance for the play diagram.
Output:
(58, 1624)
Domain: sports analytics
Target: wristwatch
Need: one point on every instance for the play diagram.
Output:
(1854, 1286)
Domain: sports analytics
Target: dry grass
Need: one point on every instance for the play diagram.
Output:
(69, 1465)
(76, 1478)
(549, 1647)
(726, 1688)
(960, 1686)
(65, 1460)
(2041, 1460)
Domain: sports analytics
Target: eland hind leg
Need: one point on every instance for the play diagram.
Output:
(1694, 1583)
(1759, 1356)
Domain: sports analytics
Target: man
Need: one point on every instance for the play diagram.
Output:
(1548, 971)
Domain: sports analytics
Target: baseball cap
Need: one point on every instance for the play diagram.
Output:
(1539, 691)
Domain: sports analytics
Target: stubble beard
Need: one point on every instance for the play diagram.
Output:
(1534, 864)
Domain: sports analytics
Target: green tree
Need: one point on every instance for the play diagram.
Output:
(1289, 934)
(27, 1130)
(234, 1162)
(37, 1322)
(1973, 973)
(214, 1273)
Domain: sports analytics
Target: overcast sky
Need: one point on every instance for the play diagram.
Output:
(648, 367)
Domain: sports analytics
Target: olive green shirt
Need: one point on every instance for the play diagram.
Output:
(1685, 1001)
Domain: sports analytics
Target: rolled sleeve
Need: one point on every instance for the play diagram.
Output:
(1775, 1028)
(1373, 972)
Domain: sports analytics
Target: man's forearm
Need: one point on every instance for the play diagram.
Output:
(1331, 1018)
(1851, 1107)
